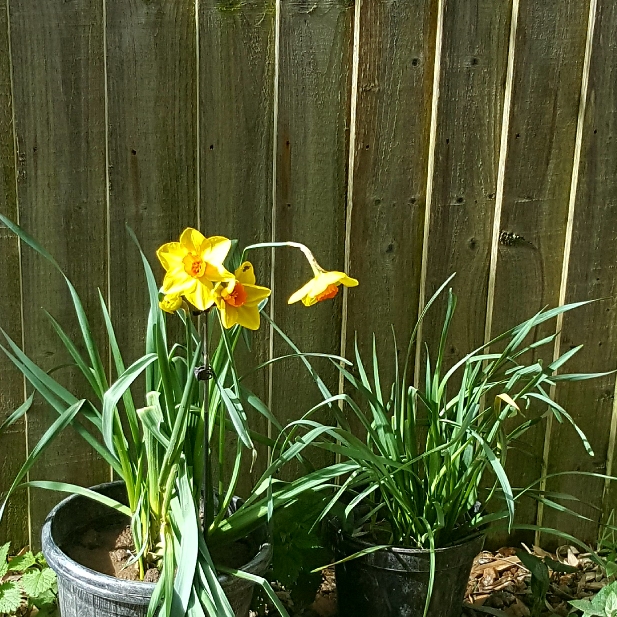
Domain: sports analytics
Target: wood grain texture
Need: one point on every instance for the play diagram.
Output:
(471, 83)
(550, 49)
(312, 154)
(591, 275)
(152, 89)
(236, 121)
(396, 55)
(59, 108)
(14, 526)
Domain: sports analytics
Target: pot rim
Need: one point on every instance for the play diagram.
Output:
(408, 550)
(402, 560)
(101, 584)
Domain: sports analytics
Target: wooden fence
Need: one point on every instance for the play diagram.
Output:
(401, 139)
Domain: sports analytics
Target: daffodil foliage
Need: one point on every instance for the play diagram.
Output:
(416, 473)
(167, 431)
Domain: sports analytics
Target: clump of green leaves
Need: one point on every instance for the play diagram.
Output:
(607, 545)
(540, 570)
(540, 580)
(299, 549)
(27, 578)
(603, 604)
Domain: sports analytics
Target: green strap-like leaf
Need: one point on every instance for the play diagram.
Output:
(186, 519)
(17, 414)
(111, 419)
(50, 434)
(74, 489)
(86, 371)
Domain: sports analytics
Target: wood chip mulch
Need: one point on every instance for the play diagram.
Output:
(500, 581)
(499, 584)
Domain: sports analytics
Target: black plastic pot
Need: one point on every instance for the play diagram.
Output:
(394, 582)
(83, 592)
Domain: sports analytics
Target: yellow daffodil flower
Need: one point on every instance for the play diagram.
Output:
(193, 265)
(171, 303)
(323, 286)
(238, 300)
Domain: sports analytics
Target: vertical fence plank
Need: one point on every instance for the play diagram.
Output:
(591, 275)
(311, 151)
(152, 81)
(59, 110)
(236, 73)
(463, 183)
(546, 90)
(14, 526)
(395, 79)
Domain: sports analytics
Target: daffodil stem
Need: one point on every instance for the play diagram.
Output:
(208, 493)
(297, 245)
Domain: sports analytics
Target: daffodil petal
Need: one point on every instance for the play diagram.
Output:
(171, 303)
(247, 317)
(349, 281)
(177, 281)
(335, 278)
(228, 315)
(245, 273)
(309, 300)
(255, 294)
(191, 240)
(201, 296)
(216, 250)
(303, 291)
(216, 272)
(170, 255)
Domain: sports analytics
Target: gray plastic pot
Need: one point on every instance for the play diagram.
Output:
(394, 582)
(83, 592)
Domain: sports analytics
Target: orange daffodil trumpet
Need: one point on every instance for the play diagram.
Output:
(194, 271)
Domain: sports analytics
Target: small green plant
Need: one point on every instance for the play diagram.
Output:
(299, 549)
(540, 580)
(27, 578)
(603, 604)
(607, 545)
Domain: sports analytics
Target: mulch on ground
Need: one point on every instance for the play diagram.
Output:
(498, 582)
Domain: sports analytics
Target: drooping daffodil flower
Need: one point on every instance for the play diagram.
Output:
(323, 286)
(238, 300)
(171, 303)
(193, 265)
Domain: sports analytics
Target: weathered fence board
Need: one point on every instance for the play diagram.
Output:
(236, 121)
(152, 90)
(314, 73)
(592, 275)
(550, 43)
(59, 94)
(388, 175)
(15, 525)
(469, 93)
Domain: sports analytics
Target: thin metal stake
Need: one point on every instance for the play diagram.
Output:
(204, 373)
